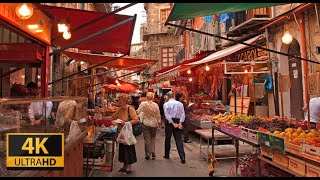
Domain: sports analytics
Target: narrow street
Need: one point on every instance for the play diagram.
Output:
(195, 166)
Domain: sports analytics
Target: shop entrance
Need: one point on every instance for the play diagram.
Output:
(295, 73)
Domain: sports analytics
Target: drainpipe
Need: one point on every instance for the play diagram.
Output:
(305, 64)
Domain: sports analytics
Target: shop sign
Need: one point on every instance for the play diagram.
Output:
(181, 80)
(251, 55)
(43, 33)
(35, 151)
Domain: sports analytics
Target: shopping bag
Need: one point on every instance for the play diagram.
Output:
(74, 131)
(126, 136)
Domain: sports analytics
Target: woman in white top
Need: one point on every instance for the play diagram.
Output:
(150, 122)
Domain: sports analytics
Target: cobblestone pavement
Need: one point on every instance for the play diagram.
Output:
(196, 165)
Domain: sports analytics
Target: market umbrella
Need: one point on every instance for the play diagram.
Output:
(128, 87)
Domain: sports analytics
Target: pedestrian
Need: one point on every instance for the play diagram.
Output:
(151, 121)
(314, 106)
(161, 103)
(127, 153)
(38, 110)
(180, 98)
(142, 97)
(175, 115)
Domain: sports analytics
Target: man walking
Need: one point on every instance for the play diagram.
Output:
(175, 116)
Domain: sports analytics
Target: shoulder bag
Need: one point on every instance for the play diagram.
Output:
(136, 128)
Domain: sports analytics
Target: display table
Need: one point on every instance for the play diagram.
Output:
(207, 135)
(255, 145)
(200, 124)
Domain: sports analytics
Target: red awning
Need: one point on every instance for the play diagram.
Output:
(167, 69)
(124, 86)
(132, 64)
(117, 40)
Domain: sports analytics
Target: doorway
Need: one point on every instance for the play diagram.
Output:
(295, 73)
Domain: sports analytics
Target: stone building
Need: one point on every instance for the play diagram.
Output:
(159, 41)
(300, 19)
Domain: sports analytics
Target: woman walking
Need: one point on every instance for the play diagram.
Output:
(127, 153)
(151, 121)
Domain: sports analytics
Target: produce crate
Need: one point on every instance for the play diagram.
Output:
(313, 150)
(263, 139)
(298, 166)
(253, 135)
(237, 131)
(244, 133)
(277, 144)
(312, 170)
(294, 149)
(264, 151)
(224, 127)
(281, 159)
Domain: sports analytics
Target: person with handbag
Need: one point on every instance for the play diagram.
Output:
(127, 153)
(151, 120)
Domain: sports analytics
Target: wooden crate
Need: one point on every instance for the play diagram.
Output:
(281, 159)
(294, 149)
(312, 170)
(297, 165)
(264, 151)
(253, 135)
(313, 150)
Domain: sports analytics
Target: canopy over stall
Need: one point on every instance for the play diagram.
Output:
(132, 64)
(225, 52)
(122, 87)
(181, 11)
(84, 24)
(177, 66)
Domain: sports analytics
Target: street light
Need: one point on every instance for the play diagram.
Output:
(287, 38)
(24, 10)
(66, 35)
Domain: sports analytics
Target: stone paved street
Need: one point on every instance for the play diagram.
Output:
(195, 166)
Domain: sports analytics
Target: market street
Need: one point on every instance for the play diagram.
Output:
(195, 166)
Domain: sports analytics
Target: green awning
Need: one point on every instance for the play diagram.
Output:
(181, 11)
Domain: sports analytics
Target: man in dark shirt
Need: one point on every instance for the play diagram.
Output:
(180, 97)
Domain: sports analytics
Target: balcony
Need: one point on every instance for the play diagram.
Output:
(249, 21)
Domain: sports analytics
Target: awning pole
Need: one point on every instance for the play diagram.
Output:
(92, 36)
(240, 42)
(104, 82)
(87, 69)
(10, 72)
(95, 20)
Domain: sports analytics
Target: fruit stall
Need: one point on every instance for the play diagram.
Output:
(286, 147)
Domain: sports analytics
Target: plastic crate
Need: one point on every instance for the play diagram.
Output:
(298, 166)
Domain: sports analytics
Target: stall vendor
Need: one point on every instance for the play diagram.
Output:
(314, 105)
(67, 112)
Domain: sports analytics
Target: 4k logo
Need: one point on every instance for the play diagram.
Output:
(35, 151)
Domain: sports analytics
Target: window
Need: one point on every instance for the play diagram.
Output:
(164, 13)
(167, 57)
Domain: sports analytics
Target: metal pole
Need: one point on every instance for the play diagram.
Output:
(240, 42)
(87, 69)
(95, 20)
(92, 35)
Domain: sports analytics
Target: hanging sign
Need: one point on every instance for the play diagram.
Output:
(251, 54)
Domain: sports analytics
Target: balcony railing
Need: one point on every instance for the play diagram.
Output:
(243, 16)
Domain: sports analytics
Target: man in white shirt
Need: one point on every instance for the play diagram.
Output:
(314, 105)
(40, 109)
(175, 116)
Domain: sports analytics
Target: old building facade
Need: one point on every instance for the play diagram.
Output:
(159, 41)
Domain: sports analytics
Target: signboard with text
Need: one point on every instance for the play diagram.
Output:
(252, 54)
(35, 151)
